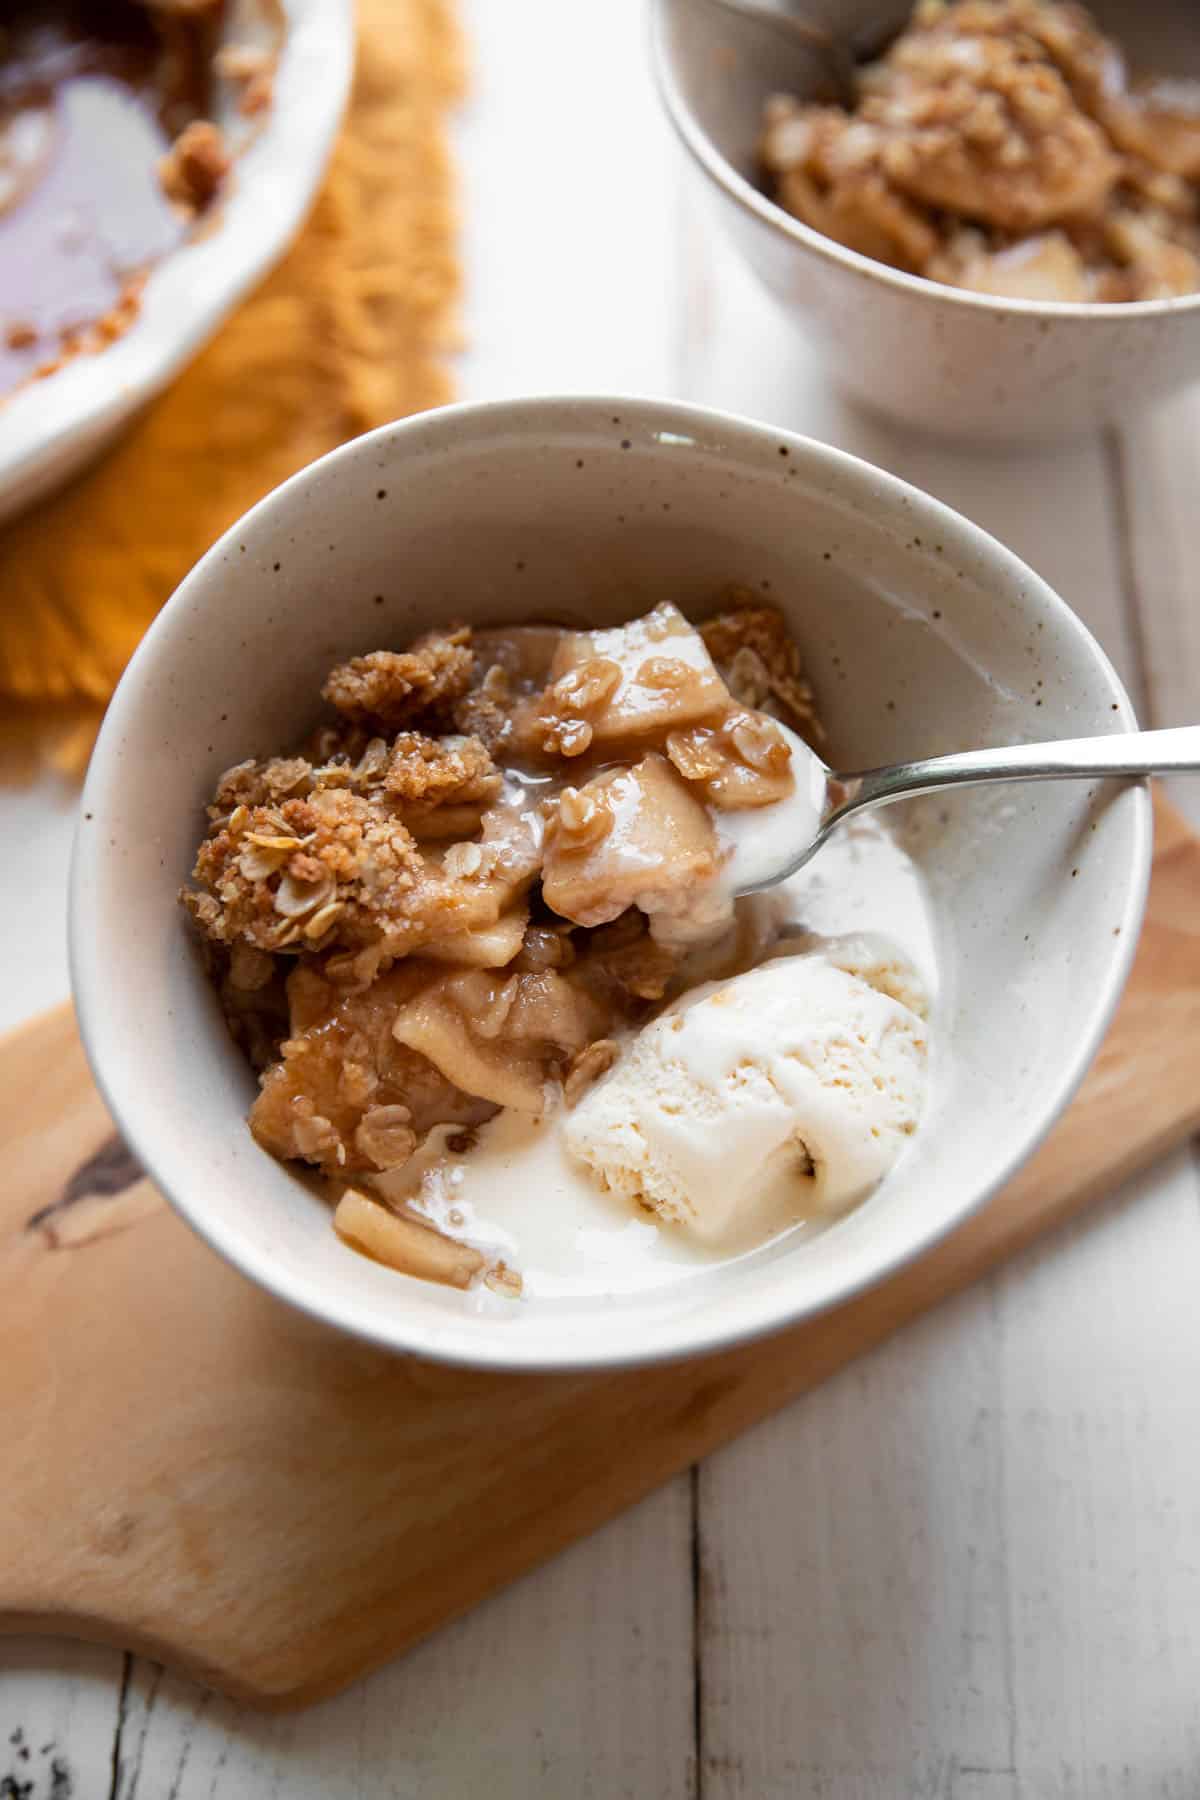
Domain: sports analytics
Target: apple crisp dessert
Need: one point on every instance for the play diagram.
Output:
(1003, 146)
(500, 853)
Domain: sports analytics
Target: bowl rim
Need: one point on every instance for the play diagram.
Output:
(191, 291)
(755, 444)
(760, 206)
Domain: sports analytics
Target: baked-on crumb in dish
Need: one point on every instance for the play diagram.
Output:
(482, 914)
(109, 158)
(1004, 147)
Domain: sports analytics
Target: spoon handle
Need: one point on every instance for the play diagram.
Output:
(1124, 753)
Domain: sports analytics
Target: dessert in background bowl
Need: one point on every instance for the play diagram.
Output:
(1004, 147)
(992, 228)
(156, 157)
(399, 573)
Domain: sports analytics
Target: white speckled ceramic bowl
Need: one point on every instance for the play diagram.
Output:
(935, 357)
(922, 635)
(51, 428)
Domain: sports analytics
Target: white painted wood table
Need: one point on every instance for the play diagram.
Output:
(968, 1567)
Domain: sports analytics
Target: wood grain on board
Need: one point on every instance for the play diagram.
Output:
(199, 1473)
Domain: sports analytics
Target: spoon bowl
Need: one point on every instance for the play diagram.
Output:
(769, 850)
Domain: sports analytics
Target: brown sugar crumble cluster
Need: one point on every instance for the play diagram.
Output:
(490, 864)
(193, 171)
(1002, 146)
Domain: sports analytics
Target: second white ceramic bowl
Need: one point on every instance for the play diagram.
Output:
(922, 634)
(53, 427)
(949, 362)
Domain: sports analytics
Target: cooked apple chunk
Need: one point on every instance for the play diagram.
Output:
(402, 1243)
(506, 1038)
(612, 691)
(742, 763)
(345, 1094)
(492, 947)
(629, 837)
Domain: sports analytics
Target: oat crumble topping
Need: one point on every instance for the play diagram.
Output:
(391, 688)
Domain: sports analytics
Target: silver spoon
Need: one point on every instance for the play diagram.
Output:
(771, 845)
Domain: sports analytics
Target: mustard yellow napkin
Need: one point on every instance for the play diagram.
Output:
(349, 331)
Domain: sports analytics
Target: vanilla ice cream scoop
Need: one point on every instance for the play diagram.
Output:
(783, 1094)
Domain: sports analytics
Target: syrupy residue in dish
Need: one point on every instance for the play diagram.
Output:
(92, 97)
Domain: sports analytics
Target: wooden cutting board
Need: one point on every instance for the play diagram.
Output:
(196, 1472)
